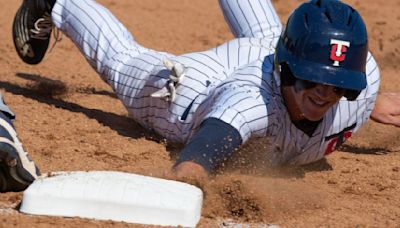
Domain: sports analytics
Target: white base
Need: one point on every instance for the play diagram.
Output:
(115, 196)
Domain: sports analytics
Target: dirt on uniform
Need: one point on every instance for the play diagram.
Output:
(69, 119)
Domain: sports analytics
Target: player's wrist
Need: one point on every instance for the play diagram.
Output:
(190, 172)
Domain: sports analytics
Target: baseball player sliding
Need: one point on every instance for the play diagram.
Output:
(305, 90)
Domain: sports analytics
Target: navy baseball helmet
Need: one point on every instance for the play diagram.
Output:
(325, 41)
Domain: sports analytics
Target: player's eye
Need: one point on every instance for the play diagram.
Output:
(339, 91)
(304, 84)
(300, 85)
(308, 84)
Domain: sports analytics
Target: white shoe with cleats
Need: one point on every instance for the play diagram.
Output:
(17, 170)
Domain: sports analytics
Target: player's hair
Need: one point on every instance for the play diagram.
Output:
(325, 41)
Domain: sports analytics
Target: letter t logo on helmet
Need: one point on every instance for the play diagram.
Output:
(338, 50)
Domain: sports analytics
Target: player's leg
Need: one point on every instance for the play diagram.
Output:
(102, 39)
(257, 27)
(17, 170)
(135, 72)
(107, 45)
(252, 18)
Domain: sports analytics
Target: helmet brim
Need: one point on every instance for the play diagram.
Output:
(327, 75)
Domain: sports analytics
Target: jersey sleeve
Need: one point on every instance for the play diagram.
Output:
(241, 107)
(368, 96)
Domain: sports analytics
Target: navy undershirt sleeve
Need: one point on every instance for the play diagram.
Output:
(211, 145)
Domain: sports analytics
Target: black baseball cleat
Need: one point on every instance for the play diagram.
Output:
(32, 29)
(17, 170)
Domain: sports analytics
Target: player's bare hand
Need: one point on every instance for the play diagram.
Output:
(189, 172)
(387, 109)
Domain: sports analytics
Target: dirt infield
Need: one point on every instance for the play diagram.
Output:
(69, 119)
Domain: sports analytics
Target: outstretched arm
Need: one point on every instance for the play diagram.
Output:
(215, 142)
(387, 109)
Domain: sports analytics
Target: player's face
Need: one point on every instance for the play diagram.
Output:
(310, 100)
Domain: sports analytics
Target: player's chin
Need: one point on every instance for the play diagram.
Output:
(312, 116)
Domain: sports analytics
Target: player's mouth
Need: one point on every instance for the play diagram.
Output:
(318, 102)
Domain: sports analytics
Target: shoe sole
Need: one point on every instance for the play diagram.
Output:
(23, 43)
(14, 159)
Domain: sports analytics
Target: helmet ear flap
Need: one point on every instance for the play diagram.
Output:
(351, 95)
(286, 75)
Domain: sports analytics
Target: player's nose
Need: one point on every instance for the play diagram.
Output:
(325, 91)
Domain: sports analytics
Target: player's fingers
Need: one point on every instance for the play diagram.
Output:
(168, 174)
(382, 118)
(395, 121)
(388, 119)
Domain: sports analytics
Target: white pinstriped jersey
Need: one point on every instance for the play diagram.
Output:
(233, 82)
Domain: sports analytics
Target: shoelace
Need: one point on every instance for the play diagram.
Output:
(57, 38)
(168, 92)
(43, 27)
